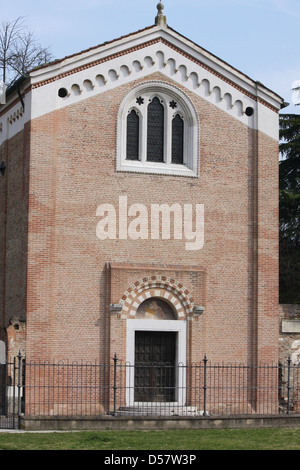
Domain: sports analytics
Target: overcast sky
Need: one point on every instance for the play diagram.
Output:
(258, 37)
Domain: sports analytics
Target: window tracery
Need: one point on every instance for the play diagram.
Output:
(157, 132)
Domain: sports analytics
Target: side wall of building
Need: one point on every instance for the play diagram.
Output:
(14, 152)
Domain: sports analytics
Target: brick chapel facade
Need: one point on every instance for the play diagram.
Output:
(139, 195)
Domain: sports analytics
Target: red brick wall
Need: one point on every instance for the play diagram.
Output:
(267, 249)
(13, 236)
(72, 172)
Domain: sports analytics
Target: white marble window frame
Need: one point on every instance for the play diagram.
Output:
(166, 93)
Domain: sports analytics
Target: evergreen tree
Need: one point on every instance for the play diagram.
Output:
(289, 208)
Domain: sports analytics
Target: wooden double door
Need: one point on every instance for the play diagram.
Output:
(155, 371)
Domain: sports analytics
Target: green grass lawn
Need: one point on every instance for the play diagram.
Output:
(176, 440)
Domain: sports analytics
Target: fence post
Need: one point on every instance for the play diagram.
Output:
(13, 393)
(115, 385)
(19, 386)
(204, 385)
(288, 384)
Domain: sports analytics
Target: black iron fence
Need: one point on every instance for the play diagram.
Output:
(11, 391)
(121, 389)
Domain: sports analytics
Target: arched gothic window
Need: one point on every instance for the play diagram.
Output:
(177, 139)
(133, 131)
(157, 132)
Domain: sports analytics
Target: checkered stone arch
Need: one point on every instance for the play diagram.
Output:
(170, 290)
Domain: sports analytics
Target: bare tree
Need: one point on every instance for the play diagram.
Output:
(19, 51)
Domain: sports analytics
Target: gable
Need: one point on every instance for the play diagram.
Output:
(136, 56)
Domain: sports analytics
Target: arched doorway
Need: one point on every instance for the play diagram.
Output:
(155, 355)
(156, 345)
